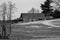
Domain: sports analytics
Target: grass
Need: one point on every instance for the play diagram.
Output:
(57, 23)
(26, 32)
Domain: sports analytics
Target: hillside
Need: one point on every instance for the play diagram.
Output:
(36, 30)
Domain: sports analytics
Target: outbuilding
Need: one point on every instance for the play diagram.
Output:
(27, 17)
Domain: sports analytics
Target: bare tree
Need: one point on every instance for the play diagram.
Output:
(33, 10)
(3, 6)
(55, 5)
(4, 12)
(12, 9)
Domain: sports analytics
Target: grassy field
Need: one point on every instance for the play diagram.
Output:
(44, 30)
(57, 23)
(35, 31)
(31, 32)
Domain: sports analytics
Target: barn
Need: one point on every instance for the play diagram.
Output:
(28, 17)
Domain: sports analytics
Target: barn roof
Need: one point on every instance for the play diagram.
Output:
(32, 14)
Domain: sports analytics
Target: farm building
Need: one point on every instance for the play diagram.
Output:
(27, 17)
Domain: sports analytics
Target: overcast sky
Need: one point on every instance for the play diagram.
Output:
(24, 5)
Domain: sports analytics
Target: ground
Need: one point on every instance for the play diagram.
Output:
(37, 30)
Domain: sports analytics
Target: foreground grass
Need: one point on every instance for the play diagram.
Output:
(26, 32)
(34, 32)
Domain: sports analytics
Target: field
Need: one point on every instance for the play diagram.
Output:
(35, 31)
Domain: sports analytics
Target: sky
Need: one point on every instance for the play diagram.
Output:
(24, 6)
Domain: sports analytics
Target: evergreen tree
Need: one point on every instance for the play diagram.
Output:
(56, 14)
(46, 7)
